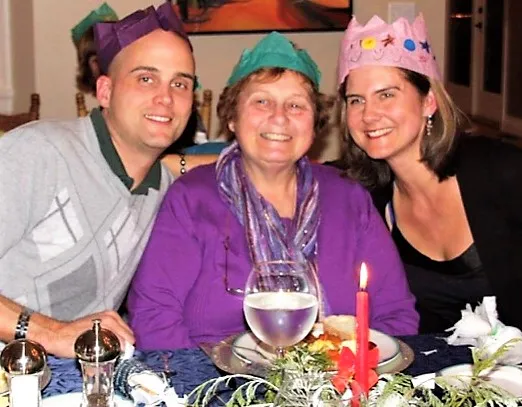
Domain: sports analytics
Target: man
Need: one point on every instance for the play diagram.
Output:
(78, 198)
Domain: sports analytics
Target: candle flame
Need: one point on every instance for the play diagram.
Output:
(363, 277)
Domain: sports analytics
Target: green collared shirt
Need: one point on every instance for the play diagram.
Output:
(153, 177)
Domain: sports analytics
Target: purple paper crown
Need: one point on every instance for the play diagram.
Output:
(399, 44)
(111, 38)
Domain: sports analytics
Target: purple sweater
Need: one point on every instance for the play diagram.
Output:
(178, 298)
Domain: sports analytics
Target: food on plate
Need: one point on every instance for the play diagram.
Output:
(335, 333)
(342, 326)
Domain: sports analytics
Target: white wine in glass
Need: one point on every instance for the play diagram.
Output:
(280, 302)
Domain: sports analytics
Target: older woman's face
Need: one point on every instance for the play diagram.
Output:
(385, 113)
(275, 121)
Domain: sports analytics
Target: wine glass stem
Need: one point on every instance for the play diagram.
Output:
(280, 352)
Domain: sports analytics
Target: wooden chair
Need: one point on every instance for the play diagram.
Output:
(336, 107)
(9, 122)
(81, 108)
(205, 109)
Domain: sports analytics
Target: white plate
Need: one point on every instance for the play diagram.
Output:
(75, 399)
(508, 378)
(251, 350)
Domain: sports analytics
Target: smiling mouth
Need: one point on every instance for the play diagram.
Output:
(378, 133)
(276, 137)
(159, 119)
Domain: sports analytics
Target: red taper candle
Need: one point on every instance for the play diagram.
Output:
(362, 331)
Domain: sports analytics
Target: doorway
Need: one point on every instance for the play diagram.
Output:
(483, 64)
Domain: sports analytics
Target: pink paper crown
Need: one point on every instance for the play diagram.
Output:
(399, 44)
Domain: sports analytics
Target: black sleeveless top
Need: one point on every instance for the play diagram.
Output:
(442, 288)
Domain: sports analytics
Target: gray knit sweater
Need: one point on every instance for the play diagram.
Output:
(71, 233)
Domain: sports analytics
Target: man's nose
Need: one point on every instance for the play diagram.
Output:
(164, 95)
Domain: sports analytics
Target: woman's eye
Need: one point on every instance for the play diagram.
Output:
(354, 101)
(387, 95)
(298, 106)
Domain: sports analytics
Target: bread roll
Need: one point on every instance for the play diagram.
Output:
(342, 326)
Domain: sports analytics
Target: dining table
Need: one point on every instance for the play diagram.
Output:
(188, 368)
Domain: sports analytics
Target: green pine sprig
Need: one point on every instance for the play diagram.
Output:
(310, 375)
(244, 395)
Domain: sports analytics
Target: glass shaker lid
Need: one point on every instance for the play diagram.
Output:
(97, 344)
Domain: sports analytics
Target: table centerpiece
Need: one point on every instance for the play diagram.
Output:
(319, 386)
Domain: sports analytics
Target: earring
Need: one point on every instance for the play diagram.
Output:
(429, 125)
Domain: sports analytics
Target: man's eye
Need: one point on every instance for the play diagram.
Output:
(145, 79)
(180, 85)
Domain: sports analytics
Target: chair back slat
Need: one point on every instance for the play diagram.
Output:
(205, 110)
(81, 108)
(10, 121)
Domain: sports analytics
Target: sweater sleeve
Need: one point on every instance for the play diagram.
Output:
(167, 271)
(392, 305)
(28, 177)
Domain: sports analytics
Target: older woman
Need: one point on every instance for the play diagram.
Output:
(206, 238)
(453, 203)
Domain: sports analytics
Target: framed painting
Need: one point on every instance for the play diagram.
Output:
(240, 16)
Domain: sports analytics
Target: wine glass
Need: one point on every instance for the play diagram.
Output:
(281, 302)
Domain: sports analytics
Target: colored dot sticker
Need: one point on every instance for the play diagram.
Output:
(368, 43)
(409, 44)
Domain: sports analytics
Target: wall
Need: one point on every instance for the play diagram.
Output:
(22, 30)
(6, 82)
(54, 56)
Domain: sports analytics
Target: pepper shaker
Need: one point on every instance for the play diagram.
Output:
(97, 350)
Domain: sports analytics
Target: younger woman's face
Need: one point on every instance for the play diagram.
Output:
(386, 115)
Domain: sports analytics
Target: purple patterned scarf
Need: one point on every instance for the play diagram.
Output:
(268, 238)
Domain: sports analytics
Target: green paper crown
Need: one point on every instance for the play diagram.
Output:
(102, 13)
(275, 51)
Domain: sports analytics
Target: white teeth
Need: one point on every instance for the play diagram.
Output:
(161, 119)
(378, 133)
(275, 136)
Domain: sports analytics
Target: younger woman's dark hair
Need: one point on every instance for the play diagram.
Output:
(436, 150)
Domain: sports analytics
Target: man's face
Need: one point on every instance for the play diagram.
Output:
(147, 95)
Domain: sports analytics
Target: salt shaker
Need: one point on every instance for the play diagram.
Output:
(97, 350)
(24, 362)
